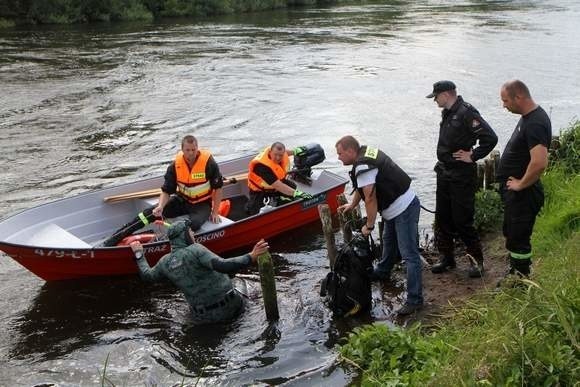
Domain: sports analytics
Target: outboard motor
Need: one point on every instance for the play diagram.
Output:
(313, 155)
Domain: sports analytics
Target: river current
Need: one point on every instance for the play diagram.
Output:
(85, 107)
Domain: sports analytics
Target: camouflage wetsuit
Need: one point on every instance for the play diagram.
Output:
(200, 274)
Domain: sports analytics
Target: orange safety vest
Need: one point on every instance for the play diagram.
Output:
(193, 185)
(255, 182)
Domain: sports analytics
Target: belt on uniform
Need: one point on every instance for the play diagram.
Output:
(201, 309)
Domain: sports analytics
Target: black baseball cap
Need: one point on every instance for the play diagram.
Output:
(440, 87)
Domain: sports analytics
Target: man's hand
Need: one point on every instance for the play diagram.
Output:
(345, 207)
(299, 150)
(259, 248)
(462, 155)
(158, 211)
(514, 184)
(366, 231)
(215, 217)
(301, 195)
(137, 248)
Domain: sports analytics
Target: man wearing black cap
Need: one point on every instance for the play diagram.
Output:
(460, 129)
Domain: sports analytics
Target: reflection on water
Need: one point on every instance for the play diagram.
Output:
(84, 107)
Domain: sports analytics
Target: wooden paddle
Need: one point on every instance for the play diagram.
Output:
(157, 191)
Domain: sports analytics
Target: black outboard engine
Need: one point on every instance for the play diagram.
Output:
(313, 155)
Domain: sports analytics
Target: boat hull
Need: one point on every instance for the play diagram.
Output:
(54, 264)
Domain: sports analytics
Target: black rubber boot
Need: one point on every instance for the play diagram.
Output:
(445, 262)
(520, 267)
(476, 268)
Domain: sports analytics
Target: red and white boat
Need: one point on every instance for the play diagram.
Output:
(60, 240)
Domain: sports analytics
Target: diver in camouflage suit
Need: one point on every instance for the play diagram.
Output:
(199, 274)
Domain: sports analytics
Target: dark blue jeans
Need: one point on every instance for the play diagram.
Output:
(400, 235)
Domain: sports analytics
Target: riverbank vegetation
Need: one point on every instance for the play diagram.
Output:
(83, 11)
(525, 334)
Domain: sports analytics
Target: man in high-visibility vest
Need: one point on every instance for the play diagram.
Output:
(193, 186)
(267, 177)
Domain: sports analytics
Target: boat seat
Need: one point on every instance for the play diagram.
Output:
(55, 236)
(207, 226)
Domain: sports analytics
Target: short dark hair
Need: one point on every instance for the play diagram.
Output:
(189, 139)
(278, 146)
(516, 87)
(348, 142)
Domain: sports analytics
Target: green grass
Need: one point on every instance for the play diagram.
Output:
(527, 335)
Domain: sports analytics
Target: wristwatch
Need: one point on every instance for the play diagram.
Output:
(370, 228)
(138, 254)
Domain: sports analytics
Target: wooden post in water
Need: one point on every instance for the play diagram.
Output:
(326, 219)
(268, 283)
(495, 157)
(343, 218)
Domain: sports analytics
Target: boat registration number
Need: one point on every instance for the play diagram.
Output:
(65, 253)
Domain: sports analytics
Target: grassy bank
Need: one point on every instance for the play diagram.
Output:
(525, 335)
(83, 11)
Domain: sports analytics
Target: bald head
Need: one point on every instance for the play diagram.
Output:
(516, 97)
(516, 87)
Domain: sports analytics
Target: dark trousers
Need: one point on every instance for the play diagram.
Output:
(520, 211)
(275, 198)
(198, 213)
(455, 208)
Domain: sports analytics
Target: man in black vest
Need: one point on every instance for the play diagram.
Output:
(386, 189)
(522, 162)
(460, 129)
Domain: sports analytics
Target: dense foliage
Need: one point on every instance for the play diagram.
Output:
(82, 11)
(526, 335)
(488, 210)
(566, 152)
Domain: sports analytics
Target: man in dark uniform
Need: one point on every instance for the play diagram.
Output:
(460, 129)
(522, 162)
(193, 186)
(201, 275)
(386, 190)
(267, 178)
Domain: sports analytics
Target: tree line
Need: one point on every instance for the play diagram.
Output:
(84, 11)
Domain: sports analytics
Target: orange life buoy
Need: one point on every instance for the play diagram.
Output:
(143, 238)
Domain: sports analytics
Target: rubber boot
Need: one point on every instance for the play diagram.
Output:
(520, 267)
(446, 261)
(476, 268)
(142, 220)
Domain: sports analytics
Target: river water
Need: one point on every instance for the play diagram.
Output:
(83, 107)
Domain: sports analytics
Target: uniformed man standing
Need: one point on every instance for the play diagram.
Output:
(460, 129)
(201, 275)
(522, 162)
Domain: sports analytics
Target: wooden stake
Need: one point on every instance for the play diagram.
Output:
(345, 226)
(326, 219)
(480, 176)
(268, 283)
